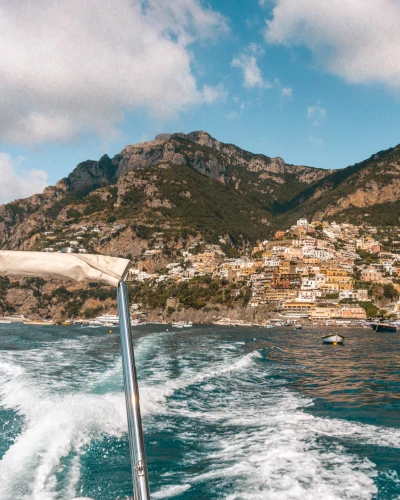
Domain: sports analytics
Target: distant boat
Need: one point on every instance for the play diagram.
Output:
(5, 322)
(383, 328)
(188, 325)
(178, 324)
(298, 327)
(39, 322)
(107, 318)
(15, 318)
(333, 338)
(269, 326)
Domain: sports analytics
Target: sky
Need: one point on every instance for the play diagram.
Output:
(315, 82)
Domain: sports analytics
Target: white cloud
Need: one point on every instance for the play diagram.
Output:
(75, 66)
(213, 94)
(17, 182)
(287, 92)
(247, 63)
(357, 40)
(316, 113)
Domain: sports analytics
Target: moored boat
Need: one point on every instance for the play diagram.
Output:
(39, 322)
(14, 318)
(333, 338)
(5, 322)
(384, 328)
(298, 327)
(108, 318)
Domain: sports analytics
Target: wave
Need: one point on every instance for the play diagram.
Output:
(58, 424)
(264, 444)
(171, 491)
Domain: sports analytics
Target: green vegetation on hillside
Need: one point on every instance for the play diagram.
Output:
(190, 200)
(196, 293)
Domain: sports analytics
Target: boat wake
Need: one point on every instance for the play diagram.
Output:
(242, 433)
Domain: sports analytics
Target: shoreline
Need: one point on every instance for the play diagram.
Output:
(270, 324)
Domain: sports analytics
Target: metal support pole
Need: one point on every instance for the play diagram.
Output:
(135, 432)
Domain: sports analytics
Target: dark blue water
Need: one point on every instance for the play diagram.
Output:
(229, 413)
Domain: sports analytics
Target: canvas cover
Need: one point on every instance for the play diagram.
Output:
(78, 267)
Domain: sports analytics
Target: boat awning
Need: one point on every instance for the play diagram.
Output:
(64, 266)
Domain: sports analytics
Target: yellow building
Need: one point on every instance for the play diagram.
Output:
(294, 308)
(343, 282)
(279, 295)
(325, 311)
(350, 311)
(333, 272)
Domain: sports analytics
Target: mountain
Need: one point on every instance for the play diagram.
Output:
(182, 185)
(365, 192)
(182, 188)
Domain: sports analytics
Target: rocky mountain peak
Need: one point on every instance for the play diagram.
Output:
(204, 139)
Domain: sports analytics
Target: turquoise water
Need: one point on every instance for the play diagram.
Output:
(229, 413)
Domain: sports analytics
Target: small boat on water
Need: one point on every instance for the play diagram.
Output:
(333, 338)
(14, 318)
(5, 322)
(182, 324)
(298, 327)
(107, 318)
(39, 322)
(384, 327)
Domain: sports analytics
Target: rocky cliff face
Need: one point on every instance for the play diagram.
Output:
(101, 187)
(156, 198)
(195, 183)
(351, 192)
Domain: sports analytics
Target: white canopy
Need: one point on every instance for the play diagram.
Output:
(77, 267)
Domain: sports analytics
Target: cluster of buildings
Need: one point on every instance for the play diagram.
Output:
(82, 239)
(312, 270)
(317, 270)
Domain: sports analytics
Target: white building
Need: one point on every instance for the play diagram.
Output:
(302, 223)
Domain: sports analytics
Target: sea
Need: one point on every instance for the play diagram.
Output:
(229, 413)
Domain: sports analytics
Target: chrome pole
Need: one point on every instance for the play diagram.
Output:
(135, 433)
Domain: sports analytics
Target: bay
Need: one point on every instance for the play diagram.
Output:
(229, 413)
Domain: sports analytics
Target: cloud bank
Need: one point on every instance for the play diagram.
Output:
(17, 182)
(357, 40)
(248, 64)
(75, 66)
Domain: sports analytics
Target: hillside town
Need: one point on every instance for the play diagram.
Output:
(318, 271)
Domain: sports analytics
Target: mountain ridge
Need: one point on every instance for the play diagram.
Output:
(196, 186)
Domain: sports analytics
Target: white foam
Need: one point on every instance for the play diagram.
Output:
(171, 491)
(54, 426)
(58, 422)
(266, 448)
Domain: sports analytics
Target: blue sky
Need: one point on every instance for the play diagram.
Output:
(315, 83)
